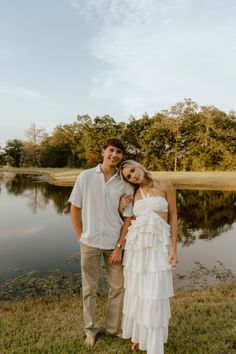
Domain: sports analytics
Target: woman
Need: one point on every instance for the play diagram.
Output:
(150, 253)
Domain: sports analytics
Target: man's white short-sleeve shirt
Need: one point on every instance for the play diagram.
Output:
(99, 202)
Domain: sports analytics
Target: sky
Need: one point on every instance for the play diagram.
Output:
(60, 58)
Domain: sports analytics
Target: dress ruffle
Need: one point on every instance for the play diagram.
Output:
(146, 260)
(148, 232)
(151, 313)
(150, 339)
(152, 286)
(148, 282)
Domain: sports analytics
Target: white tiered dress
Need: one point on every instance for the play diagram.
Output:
(148, 276)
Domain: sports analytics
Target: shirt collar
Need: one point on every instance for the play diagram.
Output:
(98, 170)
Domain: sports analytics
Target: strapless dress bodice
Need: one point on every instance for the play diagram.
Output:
(157, 204)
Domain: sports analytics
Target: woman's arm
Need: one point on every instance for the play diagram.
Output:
(172, 220)
(116, 255)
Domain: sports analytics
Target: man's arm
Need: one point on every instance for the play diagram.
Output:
(116, 255)
(75, 214)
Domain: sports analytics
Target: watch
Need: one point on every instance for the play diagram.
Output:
(119, 245)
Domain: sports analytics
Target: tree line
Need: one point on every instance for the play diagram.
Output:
(185, 137)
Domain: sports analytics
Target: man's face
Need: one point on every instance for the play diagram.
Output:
(112, 156)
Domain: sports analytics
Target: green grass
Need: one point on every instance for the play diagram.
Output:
(203, 321)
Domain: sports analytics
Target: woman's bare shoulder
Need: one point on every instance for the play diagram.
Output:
(164, 185)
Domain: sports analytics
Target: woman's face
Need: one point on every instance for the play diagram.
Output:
(133, 174)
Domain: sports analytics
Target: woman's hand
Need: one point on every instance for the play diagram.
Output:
(116, 256)
(125, 200)
(173, 259)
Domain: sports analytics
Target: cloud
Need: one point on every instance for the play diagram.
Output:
(158, 51)
(111, 12)
(20, 92)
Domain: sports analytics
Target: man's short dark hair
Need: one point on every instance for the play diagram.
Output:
(116, 142)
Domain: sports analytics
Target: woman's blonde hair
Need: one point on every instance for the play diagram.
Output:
(131, 163)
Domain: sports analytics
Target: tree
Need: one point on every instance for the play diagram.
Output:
(94, 135)
(185, 137)
(14, 150)
(132, 136)
(156, 144)
(60, 149)
(178, 113)
(32, 147)
(54, 155)
(213, 135)
(2, 156)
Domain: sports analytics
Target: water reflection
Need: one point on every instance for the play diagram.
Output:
(205, 214)
(38, 195)
(202, 214)
(36, 232)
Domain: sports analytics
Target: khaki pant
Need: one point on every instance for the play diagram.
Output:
(91, 268)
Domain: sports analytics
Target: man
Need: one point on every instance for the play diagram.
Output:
(97, 223)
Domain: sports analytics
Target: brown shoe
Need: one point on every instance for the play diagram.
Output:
(90, 341)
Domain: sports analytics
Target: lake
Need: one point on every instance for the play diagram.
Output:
(36, 232)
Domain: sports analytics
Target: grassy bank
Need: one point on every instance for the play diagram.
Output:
(202, 180)
(203, 321)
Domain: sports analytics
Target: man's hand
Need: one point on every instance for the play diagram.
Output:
(79, 236)
(116, 256)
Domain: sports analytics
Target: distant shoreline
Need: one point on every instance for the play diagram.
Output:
(181, 180)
